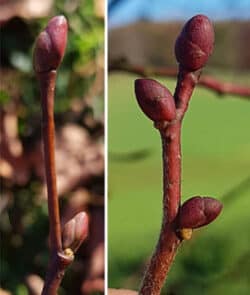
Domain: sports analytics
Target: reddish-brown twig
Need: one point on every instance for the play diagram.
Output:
(168, 241)
(58, 259)
(193, 47)
(206, 81)
(225, 87)
(48, 53)
(47, 87)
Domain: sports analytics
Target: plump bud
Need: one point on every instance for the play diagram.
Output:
(155, 100)
(198, 211)
(75, 231)
(195, 43)
(50, 45)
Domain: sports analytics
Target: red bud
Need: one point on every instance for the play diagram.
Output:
(195, 43)
(199, 211)
(68, 235)
(81, 228)
(75, 231)
(155, 100)
(50, 45)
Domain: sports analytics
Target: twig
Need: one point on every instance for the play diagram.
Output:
(225, 87)
(193, 48)
(220, 87)
(47, 87)
(48, 53)
(168, 241)
(57, 266)
(58, 259)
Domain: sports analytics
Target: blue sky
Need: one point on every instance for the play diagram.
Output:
(128, 11)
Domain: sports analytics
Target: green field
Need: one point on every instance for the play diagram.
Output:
(216, 162)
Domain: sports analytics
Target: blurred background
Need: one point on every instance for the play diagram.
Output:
(79, 119)
(215, 147)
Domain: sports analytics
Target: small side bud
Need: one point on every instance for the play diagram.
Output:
(198, 211)
(69, 253)
(195, 43)
(50, 45)
(75, 232)
(155, 100)
(185, 233)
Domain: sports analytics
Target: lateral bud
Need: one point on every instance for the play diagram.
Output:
(75, 232)
(50, 45)
(195, 43)
(155, 100)
(198, 211)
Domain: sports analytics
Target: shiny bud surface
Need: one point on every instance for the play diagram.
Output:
(75, 231)
(155, 100)
(195, 43)
(198, 211)
(50, 45)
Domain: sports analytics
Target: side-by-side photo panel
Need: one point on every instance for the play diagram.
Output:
(52, 147)
(124, 147)
(178, 154)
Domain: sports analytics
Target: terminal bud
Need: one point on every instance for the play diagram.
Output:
(195, 43)
(50, 45)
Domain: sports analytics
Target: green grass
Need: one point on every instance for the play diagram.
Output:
(216, 158)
